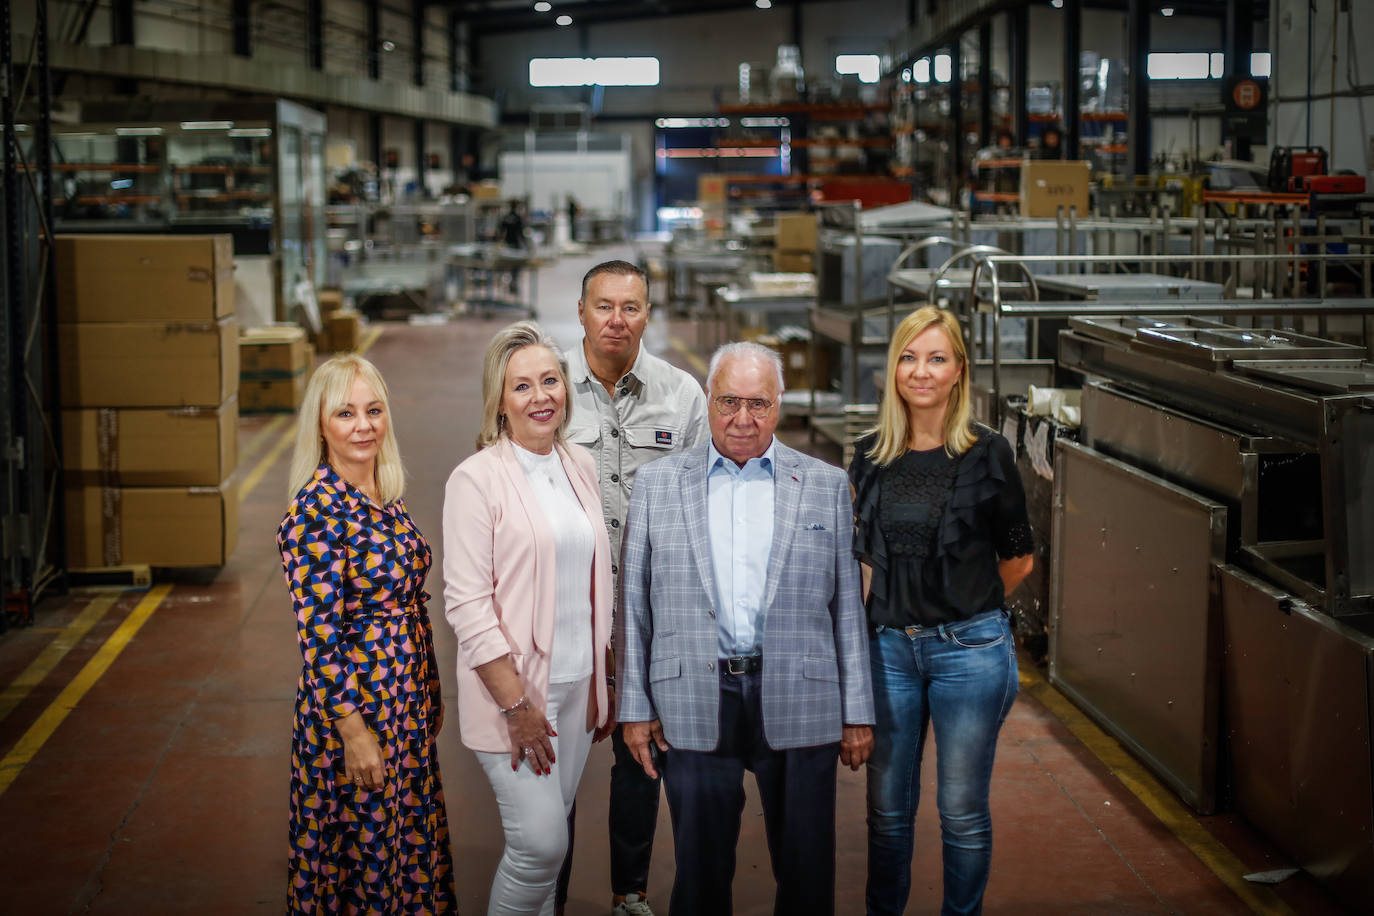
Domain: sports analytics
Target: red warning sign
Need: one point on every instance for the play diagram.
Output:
(1246, 94)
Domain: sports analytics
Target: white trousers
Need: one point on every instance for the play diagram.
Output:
(534, 808)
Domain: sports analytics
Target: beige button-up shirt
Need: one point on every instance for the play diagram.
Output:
(657, 408)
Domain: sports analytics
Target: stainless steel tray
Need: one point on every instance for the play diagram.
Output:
(1123, 328)
(1325, 376)
(1210, 347)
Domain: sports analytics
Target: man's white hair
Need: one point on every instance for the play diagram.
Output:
(739, 350)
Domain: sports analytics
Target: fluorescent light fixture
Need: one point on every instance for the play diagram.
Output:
(564, 20)
(251, 132)
(865, 66)
(1260, 64)
(1218, 65)
(761, 122)
(944, 68)
(1166, 12)
(78, 135)
(920, 71)
(138, 131)
(594, 71)
(542, 6)
(685, 122)
(764, 4)
(1179, 65)
(1057, 4)
(121, 184)
(206, 125)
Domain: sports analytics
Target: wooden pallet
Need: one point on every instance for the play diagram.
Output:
(135, 575)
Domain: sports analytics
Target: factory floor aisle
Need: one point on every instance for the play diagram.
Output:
(146, 734)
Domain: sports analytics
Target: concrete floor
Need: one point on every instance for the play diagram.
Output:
(146, 734)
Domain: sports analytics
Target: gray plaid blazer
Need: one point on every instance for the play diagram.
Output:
(815, 644)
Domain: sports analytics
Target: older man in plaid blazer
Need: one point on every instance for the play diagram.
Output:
(741, 643)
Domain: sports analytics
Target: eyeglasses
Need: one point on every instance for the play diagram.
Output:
(727, 405)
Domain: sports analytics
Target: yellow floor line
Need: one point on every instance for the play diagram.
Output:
(262, 435)
(696, 362)
(369, 338)
(288, 437)
(1161, 801)
(53, 653)
(38, 734)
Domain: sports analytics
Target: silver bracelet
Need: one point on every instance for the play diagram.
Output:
(520, 704)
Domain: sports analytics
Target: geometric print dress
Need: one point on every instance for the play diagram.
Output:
(356, 572)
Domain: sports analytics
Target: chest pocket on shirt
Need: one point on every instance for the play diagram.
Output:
(588, 435)
(650, 441)
(660, 436)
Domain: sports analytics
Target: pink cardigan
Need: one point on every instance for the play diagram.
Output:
(499, 583)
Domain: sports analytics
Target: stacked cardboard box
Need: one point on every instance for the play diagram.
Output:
(274, 364)
(341, 332)
(1048, 185)
(149, 376)
(795, 248)
(712, 193)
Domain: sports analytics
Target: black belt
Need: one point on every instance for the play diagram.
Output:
(742, 664)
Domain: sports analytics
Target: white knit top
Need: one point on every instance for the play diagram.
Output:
(574, 549)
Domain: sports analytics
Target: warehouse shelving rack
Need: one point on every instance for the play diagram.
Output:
(31, 499)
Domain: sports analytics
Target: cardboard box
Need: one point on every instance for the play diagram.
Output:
(329, 301)
(144, 277)
(796, 362)
(796, 231)
(485, 190)
(272, 352)
(711, 188)
(276, 395)
(140, 447)
(341, 334)
(159, 526)
(142, 364)
(1047, 185)
(794, 262)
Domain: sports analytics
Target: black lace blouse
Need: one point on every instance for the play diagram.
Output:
(933, 528)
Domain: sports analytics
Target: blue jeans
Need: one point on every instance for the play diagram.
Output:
(962, 678)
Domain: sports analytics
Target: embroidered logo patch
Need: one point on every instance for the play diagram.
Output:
(663, 437)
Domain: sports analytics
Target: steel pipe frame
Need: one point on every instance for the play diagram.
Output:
(1237, 307)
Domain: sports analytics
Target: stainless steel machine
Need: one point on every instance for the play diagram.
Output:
(1212, 594)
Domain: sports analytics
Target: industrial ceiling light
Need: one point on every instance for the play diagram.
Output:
(542, 7)
(1057, 4)
(1167, 11)
(564, 20)
(206, 125)
(764, 4)
(388, 45)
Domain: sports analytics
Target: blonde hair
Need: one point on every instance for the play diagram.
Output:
(894, 428)
(327, 392)
(509, 340)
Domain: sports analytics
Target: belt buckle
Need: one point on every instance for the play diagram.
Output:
(741, 664)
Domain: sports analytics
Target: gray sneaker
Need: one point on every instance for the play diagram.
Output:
(634, 905)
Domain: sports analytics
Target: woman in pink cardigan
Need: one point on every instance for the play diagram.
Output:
(527, 589)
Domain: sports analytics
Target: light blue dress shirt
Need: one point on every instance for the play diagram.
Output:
(739, 506)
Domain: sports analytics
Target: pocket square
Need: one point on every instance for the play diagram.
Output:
(813, 526)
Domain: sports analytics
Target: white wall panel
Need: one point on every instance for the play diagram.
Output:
(1345, 125)
(599, 181)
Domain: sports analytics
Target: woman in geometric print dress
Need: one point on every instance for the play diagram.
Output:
(369, 833)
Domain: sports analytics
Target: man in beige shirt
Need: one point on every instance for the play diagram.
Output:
(629, 407)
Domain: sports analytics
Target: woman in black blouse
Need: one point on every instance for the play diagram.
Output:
(942, 537)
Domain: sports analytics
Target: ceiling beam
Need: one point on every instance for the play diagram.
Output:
(589, 12)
